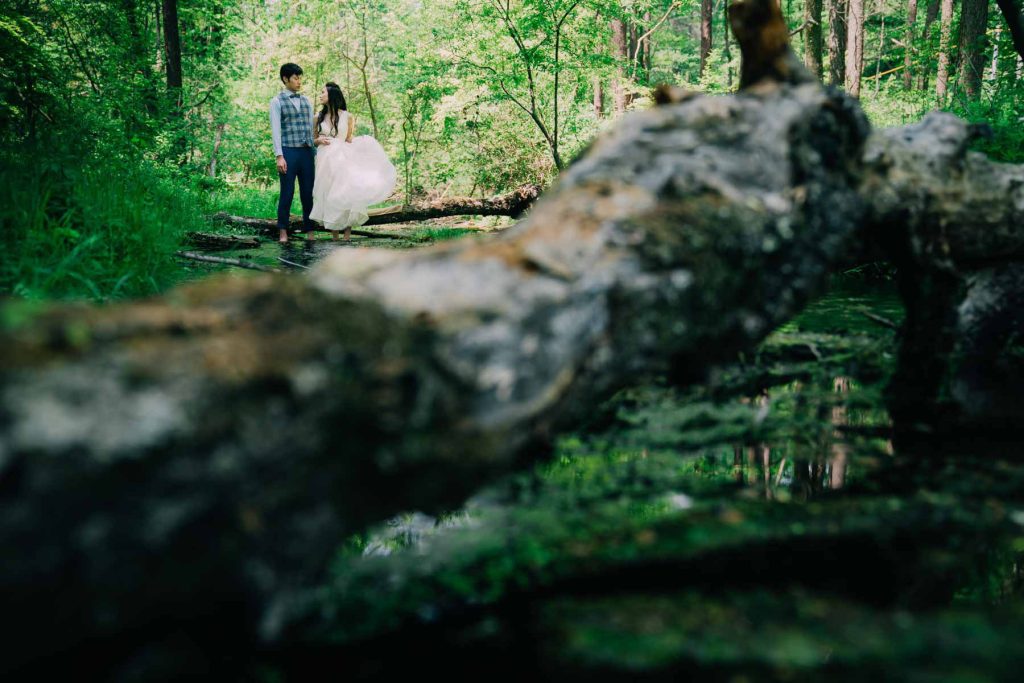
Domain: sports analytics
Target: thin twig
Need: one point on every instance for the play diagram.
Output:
(225, 261)
(884, 322)
(292, 263)
(641, 39)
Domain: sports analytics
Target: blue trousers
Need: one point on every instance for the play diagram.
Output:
(300, 165)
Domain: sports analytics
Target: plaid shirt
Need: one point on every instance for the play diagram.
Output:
(296, 123)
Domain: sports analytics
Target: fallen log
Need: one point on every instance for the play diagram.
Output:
(212, 241)
(263, 420)
(512, 204)
(268, 226)
(239, 263)
(952, 221)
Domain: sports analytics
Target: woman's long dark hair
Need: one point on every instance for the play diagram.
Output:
(335, 103)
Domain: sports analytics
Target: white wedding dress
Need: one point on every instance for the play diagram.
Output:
(350, 176)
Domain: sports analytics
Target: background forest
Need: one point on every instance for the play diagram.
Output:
(123, 123)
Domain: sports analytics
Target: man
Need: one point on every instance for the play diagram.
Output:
(291, 127)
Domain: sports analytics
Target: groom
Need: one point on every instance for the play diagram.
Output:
(291, 127)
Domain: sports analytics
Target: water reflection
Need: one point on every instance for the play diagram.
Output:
(817, 455)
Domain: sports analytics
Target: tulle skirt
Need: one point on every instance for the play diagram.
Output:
(350, 176)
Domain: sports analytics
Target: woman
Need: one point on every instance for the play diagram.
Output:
(351, 173)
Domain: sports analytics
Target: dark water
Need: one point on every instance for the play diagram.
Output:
(294, 256)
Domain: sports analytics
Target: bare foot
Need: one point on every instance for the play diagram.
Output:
(334, 235)
(283, 238)
(348, 234)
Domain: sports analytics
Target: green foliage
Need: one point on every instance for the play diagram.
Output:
(461, 93)
(101, 230)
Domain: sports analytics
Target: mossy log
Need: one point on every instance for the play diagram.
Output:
(952, 221)
(213, 241)
(252, 424)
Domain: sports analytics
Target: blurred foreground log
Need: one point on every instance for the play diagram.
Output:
(192, 462)
(952, 221)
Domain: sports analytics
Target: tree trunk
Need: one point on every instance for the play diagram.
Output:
(511, 204)
(619, 50)
(598, 98)
(837, 10)
(973, 43)
(1014, 16)
(812, 37)
(878, 57)
(218, 137)
(929, 18)
(908, 48)
(854, 46)
(942, 74)
(707, 12)
(172, 50)
(726, 46)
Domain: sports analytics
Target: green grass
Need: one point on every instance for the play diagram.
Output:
(244, 200)
(83, 229)
(440, 234)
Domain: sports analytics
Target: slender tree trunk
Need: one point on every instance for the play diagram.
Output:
(707, 10)
(942, 74)
(728, 51)
(172, 50)
(619, 49)
(854, 46)
(908, 48)
(878, 57)
(812, 37)
(1014, 16)
(929, 18)
(158, 13)
(646, 50)
(993, 72)
(598, 98)
(218, 136)
(973, 43)
(837, 41)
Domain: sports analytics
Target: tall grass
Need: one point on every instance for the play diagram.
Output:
(81, 228)
(245, 200)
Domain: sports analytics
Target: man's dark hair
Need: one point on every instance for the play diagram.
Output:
(288, 70)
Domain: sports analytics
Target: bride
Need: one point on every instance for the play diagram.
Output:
(351, 173)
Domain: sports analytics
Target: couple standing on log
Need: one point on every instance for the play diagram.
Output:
(336, 185)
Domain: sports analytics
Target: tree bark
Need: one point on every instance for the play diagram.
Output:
(812, 37)
(908, 49)
(942, 74)
(854, 46)
(707, 11)
(929, 18)
(620, 52)
(1014, 16)
(598, 98)
(172, 50)
(973, 43)
(218, 136)
(202, 422)
(837, 10)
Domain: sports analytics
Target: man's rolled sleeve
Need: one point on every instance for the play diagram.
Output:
(275, 125)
